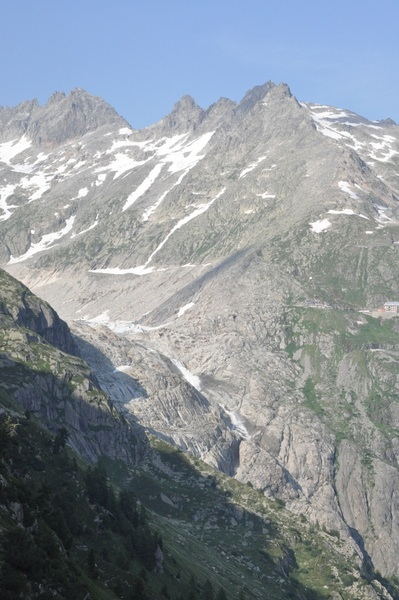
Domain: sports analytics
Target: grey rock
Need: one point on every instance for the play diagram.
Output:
(221, 258)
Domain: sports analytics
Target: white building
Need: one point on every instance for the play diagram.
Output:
(391, 307)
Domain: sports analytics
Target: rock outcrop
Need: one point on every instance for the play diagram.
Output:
(45, 380)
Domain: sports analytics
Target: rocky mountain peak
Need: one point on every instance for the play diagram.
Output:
(259, 92)
(56, 97)
(67, 116)
(254, 95)
(222, 108)
(186, 102)
(388, 122)
(63, 117)
(185, 115)
(14, 121)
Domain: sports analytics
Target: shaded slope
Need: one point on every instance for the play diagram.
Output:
(56, 387)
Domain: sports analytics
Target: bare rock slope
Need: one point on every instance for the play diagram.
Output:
(215, 265)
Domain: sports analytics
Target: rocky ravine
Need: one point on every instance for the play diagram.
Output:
(228, 251)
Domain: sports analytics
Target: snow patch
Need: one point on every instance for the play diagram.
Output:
(325, 119)
(192, 379)
(237, 423)
(86, 230)
(188, 156)
(30, 167)
(122, 369)
(329, 132)
(345, 187)
(266, 195)
(122, 328)
(39, 181)
(385, 157)
(45, 243)
(321, 225)
(330, 113)
(251, 167)
(185, 308)
(83, 192)
(8, 150)
(382, 217)
(100, 179)
(123, 163)
(5, 193)
(346, 211)
(143, 187)
(147, 213)
(79, 164)
(103, 318)
(173, 150)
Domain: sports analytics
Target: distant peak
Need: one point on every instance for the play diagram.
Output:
(77, 95)
(219, 111)
(187, 99)
(186, 103)
(257, 93)
(388, 122)
(66, 116)
(81, 93)
(56, 97)
(224, 102)
(74, 95)
(186, 114)
(254, 95)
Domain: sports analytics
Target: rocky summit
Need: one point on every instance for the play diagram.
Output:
(222, 271)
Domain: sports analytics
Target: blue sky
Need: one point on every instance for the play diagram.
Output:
(142, 56)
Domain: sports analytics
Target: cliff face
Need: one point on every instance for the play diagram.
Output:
(39, 372)
(22, 308)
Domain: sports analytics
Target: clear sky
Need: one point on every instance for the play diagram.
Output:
(141, 56)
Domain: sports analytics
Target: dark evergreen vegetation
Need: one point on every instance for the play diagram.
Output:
(68, 533)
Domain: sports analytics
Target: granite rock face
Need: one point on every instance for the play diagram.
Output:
(213, 268)
(40, 374)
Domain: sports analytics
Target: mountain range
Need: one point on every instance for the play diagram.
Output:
(221, 272)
